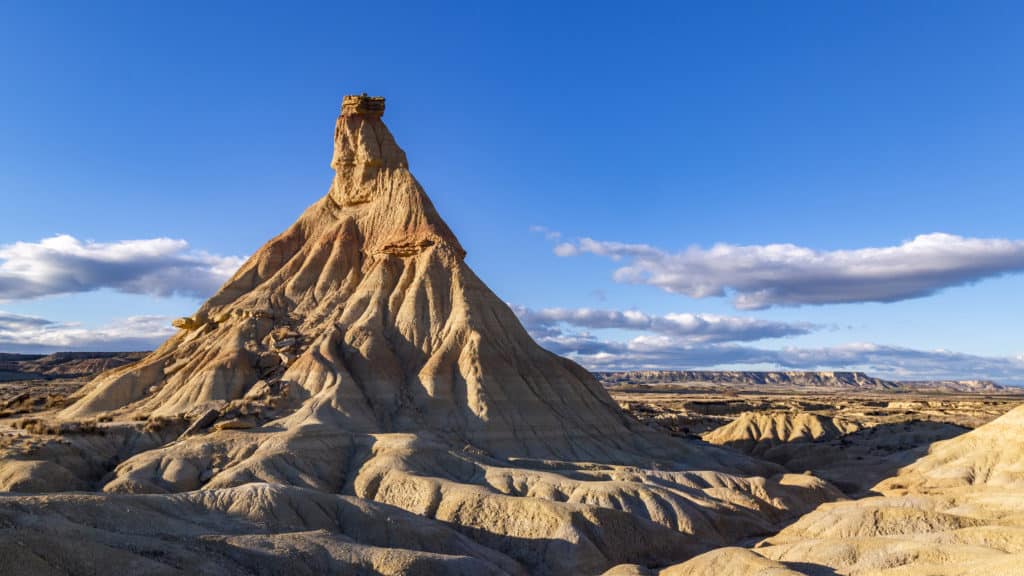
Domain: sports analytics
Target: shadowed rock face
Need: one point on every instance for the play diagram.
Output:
(853, 455)
(357, 354)
(62, 364)
(956, 511)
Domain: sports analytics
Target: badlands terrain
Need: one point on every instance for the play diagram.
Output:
(32, 382)
(852, 435)
(355, 400)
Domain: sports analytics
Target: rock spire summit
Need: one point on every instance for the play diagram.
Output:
(362, 105)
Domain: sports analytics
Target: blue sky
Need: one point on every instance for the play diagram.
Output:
(832, 127)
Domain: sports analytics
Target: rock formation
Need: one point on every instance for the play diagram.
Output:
(852, 455)
(357, 363)
(956, 511)
(364, 315)
(789, 380)
(356, 400)
(62, 364)
(759, 432)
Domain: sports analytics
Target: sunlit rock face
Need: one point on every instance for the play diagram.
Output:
(356, 362)
(955, 511)
(364, 313)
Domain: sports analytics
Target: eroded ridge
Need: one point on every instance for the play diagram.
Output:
(356, 362)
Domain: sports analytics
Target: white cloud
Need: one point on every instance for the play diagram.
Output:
(33, 334)
(547, 232)
(566, 249)
(789, 275)
(691, 328)
(64, 265)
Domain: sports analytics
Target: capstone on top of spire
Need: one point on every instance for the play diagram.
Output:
(361, 104)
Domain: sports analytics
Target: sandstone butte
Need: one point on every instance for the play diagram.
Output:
(355, 400)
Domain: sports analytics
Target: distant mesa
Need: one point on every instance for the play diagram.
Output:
(789, 380)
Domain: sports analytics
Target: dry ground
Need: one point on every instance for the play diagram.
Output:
(852, 438)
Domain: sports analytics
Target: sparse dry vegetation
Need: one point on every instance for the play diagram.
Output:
(48, 427)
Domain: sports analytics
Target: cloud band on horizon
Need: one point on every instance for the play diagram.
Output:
(31, 334)
(707, 342)
(892, 362)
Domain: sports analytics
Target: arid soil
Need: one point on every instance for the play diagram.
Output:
(33, 382)
(62, 364)
(853, 438)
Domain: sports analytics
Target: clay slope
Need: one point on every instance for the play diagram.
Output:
(991, 456)
(758, 432)
(853, 455)
(256, 529)
(955, 511)
(357, 354)
(364, 312)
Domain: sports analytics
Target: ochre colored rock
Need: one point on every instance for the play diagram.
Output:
(404, 383)
(184, 324)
